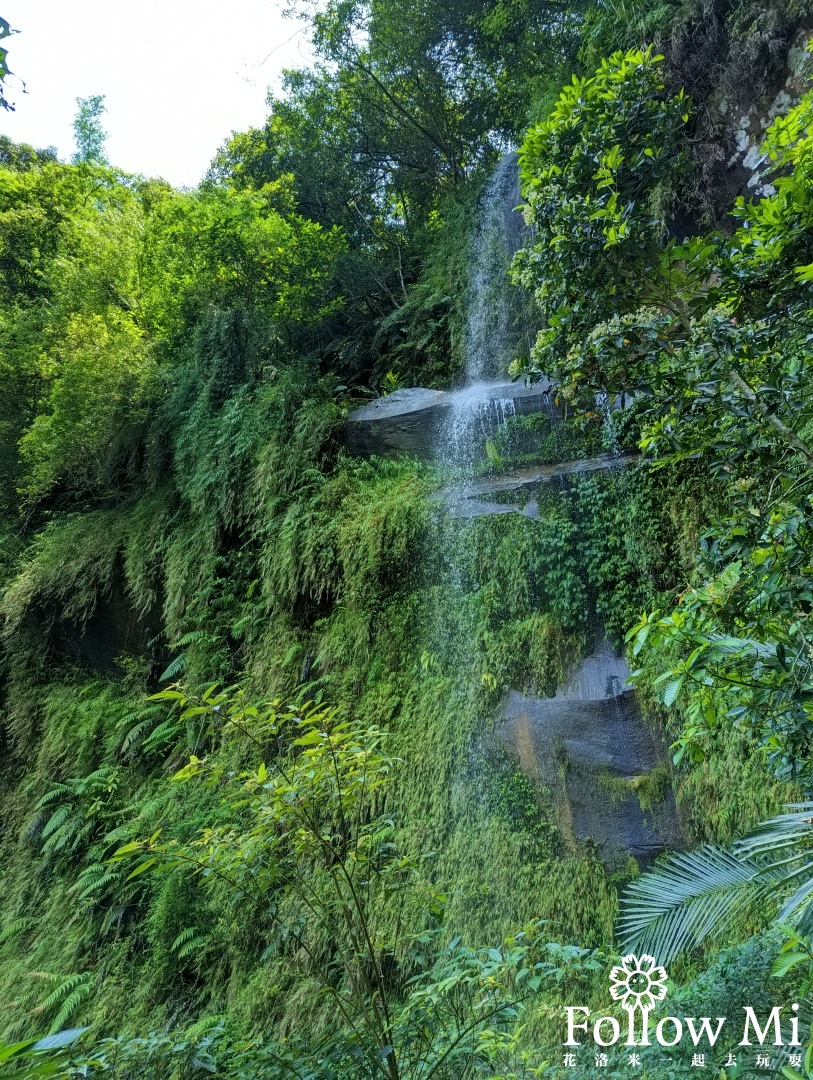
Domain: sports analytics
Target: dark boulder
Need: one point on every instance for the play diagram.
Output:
(404, 422)
(421, 422)
(604, 769)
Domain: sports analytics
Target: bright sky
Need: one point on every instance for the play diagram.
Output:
(179, 75)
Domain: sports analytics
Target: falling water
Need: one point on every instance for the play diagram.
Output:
(496, 328)
(593, 717)
(487, 399)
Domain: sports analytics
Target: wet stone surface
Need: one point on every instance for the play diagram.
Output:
(479, 498)
(405, 422)
(424, 422)
(598, 760)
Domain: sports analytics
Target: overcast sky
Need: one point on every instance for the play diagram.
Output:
(178, 75)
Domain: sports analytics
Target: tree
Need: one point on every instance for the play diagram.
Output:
(308, 845)
(592, 173)
(88, 132)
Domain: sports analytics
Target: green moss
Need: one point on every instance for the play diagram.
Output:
(649, 788)
(280, 563)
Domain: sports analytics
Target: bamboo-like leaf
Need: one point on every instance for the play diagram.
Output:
(141, 868)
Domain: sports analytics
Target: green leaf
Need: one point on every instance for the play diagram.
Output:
(785, 961)
(8, 1052)
(62, 1038)
(673, 689)
(141, 868)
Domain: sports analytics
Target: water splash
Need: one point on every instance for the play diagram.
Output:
(476, 412)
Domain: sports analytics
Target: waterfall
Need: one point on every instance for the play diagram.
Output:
(589, 719)
(509, 608)
(495, 323)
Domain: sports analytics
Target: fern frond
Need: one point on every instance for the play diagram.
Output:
(136, 733)
(98, 778)
(182, 938)
(17, 928)
(55, 793)
(161, 735)
(177, 667)
(94, 879)
(67, 986)
(122, 832)
(187, 942)
(689, 897)
(58, 818)
(192, 637)
(181, 662)
(70, 1005)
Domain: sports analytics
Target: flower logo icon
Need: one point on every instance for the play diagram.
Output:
(638, 982)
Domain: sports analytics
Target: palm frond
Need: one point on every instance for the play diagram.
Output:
(787, 836)
(688, 897)
(784, 830)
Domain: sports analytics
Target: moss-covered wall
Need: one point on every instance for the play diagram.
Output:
(349, 584)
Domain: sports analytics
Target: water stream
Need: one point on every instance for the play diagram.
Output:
(497, 325)
(506, 570)
(587, 746)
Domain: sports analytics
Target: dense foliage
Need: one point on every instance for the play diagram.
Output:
(254, 817)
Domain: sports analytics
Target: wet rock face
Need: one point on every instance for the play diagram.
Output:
(115, 629)
(405, 422)
(747, 166)
(481, 498)
(604, 769)
(419, 421)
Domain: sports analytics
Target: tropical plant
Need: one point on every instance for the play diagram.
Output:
(38, 1056)
(391, 382)
(692, 898)
(310, 848)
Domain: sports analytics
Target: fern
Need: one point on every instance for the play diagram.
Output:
(162, 735)
(17, 928)
(137, 732)
(94, 879)
(187, 942)
(70, 1005)
(56, 792)
(56, 820)
(83, 801)
(68, 995)
(181, 662)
